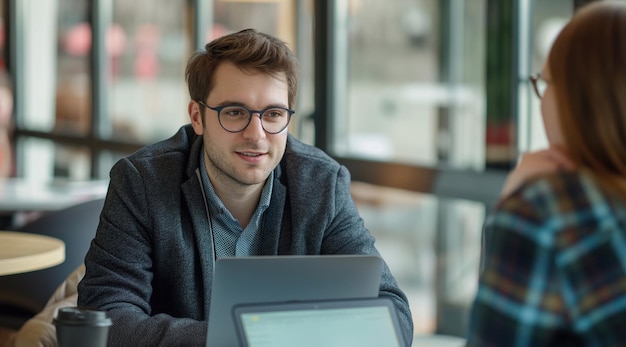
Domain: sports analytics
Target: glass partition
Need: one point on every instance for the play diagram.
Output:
(72, 111)
(410, 79)
(147, 45)
(431, 245)
(6, 104)
(413, 94)
(538, 29)
(3, 34)
(108, 75)
(426, 88)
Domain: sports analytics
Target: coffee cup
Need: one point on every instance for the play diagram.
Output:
(77, 326)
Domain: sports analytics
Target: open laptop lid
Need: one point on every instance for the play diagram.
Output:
(247, 280)
(341, 323)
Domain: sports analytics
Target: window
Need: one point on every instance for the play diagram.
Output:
(429, 109)
(538, 29)
(413, 94)
(411, 90)
(427, 102)
(113, 75)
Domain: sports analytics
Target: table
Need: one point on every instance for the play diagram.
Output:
(24, 252)
(21, 194)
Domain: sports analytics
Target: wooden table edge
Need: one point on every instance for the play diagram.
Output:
(33, 262)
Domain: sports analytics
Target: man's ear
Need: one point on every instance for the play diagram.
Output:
(196, 117)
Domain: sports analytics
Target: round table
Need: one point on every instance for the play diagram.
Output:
(24, 252)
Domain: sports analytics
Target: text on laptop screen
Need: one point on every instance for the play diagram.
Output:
(345, 327)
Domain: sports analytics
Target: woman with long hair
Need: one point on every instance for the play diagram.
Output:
(555, 246)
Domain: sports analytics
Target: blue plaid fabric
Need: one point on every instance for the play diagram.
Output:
(555, 267)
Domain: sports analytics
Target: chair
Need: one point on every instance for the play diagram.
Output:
(40, 330)
(24, 295)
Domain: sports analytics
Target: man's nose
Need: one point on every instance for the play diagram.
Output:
(254, 130)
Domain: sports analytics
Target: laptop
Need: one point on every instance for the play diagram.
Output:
(263, 279)
(340, 323)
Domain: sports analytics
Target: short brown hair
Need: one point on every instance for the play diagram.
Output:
(248, 50)
(588, 69)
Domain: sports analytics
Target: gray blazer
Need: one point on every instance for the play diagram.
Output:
(151, 262)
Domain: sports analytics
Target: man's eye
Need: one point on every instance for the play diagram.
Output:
(273, 113)
(234, 112)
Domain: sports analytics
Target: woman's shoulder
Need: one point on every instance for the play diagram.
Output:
(565, 198)
(567, 186)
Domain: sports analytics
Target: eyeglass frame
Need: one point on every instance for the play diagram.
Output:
(219, 109)
(535, 80)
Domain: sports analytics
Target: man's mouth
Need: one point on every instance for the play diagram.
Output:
(248, 154)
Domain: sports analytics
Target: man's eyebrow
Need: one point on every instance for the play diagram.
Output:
(231, 102)
(238, 103)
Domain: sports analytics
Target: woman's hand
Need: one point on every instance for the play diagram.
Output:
(536, 163)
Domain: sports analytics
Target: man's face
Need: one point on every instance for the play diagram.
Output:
(245, 158)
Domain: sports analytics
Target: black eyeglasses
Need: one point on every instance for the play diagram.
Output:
(539, 84)
(235, 118)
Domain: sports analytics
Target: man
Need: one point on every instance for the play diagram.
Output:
(233, 183)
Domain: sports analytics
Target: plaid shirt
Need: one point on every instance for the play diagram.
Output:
(555, 267)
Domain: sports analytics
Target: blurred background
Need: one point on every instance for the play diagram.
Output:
(427, 102)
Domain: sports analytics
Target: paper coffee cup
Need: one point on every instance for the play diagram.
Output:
(82, 327)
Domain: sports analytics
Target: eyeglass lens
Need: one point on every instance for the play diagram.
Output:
(237, 118)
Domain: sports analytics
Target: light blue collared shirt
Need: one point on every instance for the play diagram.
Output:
(229, 238)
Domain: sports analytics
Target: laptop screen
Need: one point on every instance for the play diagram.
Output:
(345, 323)
(264, 279)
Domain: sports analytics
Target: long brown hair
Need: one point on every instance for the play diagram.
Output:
(248, 50)
(588, 70)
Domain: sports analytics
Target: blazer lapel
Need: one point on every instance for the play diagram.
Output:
(273, 219)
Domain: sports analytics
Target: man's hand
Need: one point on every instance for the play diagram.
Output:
(536, 163)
